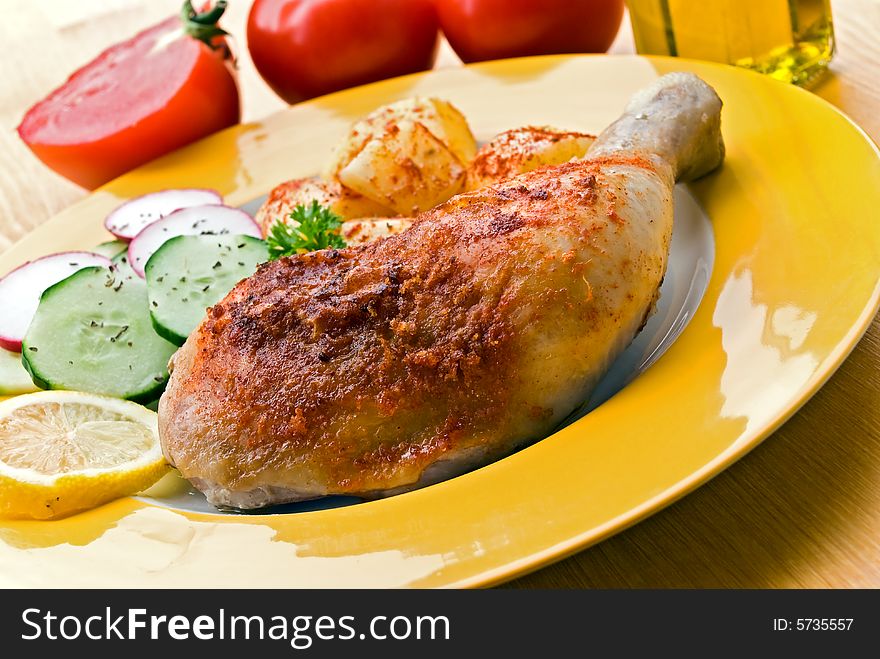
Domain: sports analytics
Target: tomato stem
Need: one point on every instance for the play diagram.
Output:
(203, 25)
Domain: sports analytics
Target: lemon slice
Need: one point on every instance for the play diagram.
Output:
(65, 451)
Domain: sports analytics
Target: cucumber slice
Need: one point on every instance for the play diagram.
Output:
(14, 379)
(92, 332)
(188, 274)
(111, 249)
(207, 220)
(122, 266)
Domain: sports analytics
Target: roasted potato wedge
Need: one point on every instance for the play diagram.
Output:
(521, 150)
(407, 169)
(452, 129)
(368, 229)
(409, 155)
(342, 201)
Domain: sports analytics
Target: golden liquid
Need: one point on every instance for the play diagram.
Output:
(791, 40)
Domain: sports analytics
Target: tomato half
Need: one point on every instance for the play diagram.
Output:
(493, 29)
(305, 48)
(137, 100)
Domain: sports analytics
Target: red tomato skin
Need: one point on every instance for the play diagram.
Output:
(206, 101)
(481, 30)
(307, 48)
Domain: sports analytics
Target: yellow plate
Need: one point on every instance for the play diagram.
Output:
(793, 286)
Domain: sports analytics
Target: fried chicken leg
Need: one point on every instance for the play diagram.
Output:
(376, 369)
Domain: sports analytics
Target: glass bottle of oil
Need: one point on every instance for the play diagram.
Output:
(791, 40)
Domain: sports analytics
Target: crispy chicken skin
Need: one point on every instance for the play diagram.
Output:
(379, 368)
(368, 229)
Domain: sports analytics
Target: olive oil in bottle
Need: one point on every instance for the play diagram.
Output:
(791, 40)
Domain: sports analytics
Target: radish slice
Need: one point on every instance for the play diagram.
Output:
(21, 289)
(197, 221)
(129, 219)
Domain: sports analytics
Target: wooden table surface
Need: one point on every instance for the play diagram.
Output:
(802, 510)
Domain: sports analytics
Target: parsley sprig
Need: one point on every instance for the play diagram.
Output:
(309, 228)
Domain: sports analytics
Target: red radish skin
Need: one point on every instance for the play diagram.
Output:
(195, 221)
(136, 101)
(20, 290)
(129, 219)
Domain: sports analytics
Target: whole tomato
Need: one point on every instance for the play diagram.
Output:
(305, 48)
(169, 85)
(494, 29)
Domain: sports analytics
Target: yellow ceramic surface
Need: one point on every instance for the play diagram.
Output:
(794, 285)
